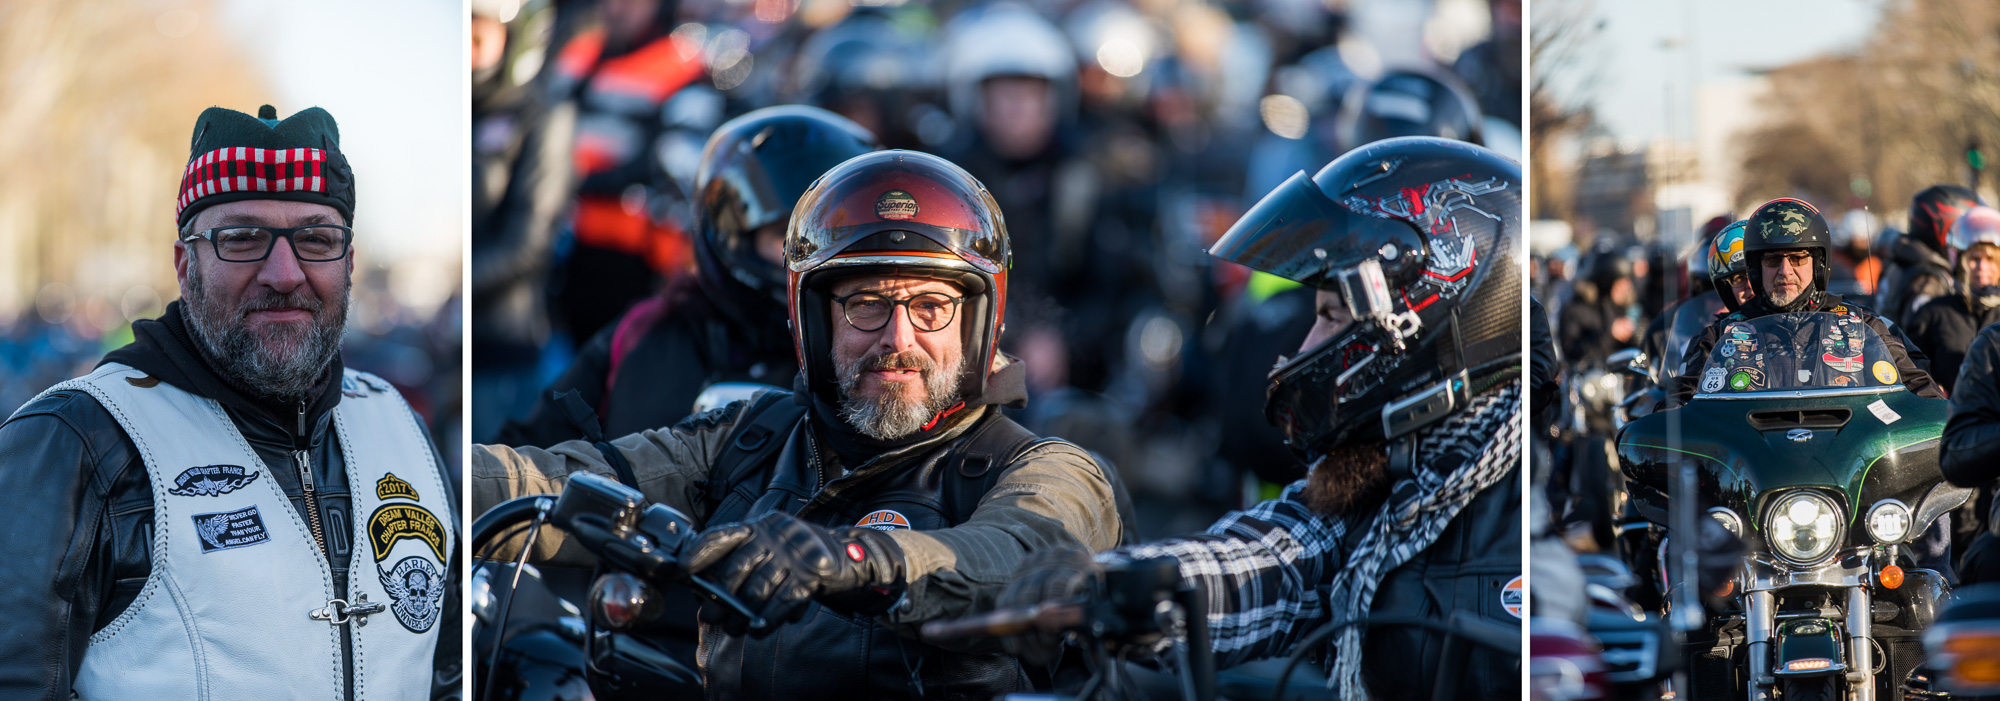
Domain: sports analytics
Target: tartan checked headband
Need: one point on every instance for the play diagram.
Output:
(241, 169)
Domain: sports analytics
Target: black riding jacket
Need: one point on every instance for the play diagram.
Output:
(1910, 361)
(1943, 328)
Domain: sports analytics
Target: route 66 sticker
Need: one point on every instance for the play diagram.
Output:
(1711, 379)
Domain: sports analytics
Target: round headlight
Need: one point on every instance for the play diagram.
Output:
(1803, 527)
(1728, 518)
(1889, 521)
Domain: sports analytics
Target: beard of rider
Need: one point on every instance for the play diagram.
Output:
(1350, 478)
(891, 415)
(288, 359)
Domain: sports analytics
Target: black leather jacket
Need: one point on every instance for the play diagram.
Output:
(1911, 363)
(1943, 328)
(79, 545)
(1972, 433)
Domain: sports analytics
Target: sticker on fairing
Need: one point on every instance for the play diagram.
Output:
(1882, 411)
(1885, 372)
(883, 520)
(1739, 381)
(1850, 363)
(1711, 379)
(1512, 596)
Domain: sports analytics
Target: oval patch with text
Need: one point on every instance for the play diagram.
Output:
(883, 520)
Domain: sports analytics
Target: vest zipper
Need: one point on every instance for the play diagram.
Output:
(299, 443)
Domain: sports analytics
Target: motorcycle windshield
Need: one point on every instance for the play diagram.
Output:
(1804, 350)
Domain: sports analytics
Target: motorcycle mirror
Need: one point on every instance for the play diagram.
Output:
(1631, 361)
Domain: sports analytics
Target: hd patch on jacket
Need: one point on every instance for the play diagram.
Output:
(211, 480)
(230, 529)
(417, 590)
(884, 520)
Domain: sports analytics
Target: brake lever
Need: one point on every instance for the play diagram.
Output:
(720, 595)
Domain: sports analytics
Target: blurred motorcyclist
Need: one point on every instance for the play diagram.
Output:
(1971, 456)
(872, 69)
(1405, 511)
(1944, 327)
(1784, 250)
(1667, 336)
(521, 183)
(624, 75)
(1916, 268)
(1603, 316)
(1727, 269)
(726, 322)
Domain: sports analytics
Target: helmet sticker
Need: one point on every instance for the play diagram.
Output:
(896, 204)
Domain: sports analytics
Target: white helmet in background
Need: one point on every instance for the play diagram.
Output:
(1003, 39)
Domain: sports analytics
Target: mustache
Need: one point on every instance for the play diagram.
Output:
(908, 360)
(289, 300)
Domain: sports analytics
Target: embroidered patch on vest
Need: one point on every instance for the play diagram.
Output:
(1511, 597)
(230, 529)
(393, 487)
(211, 481)
(394, 522)
(883, 520)
(416, 588)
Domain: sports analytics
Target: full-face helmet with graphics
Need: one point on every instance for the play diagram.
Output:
(898, 213)
(1725, 261)
(1419, 237)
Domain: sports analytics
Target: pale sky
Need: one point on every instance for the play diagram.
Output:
(1632, 67)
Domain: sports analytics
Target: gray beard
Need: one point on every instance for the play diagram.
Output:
(888, 416)
(266, 366)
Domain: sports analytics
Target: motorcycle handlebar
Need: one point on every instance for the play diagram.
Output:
(1000, 623)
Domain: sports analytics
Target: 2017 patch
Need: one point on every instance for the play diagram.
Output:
(1885, 372)
(417, 591)
(211, 480)
(896, 205)
(883, 520)
(394, 522)
(1711, 379)
(227, 530)
(1850, 363)
(1512, 596)
(393, 487)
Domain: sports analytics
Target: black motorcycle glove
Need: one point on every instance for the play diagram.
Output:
(778, 564)
(1047, 576)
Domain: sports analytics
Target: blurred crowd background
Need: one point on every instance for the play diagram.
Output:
(100, 100)
(1649, 121)
(1120, 138)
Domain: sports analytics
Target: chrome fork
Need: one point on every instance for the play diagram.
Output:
(1860, 619)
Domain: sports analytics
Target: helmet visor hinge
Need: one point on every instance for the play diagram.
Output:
(1366, 291)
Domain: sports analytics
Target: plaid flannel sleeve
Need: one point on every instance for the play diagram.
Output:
(1264, 569)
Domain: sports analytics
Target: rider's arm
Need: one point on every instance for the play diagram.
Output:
(668, 462)
(1910, 362)
(1053, 496)
(1260, 568)
(58, 574)
(1972, 433)
(1681, 387)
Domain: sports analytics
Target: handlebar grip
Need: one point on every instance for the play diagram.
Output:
(1000, 623)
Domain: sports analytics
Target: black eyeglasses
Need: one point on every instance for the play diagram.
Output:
(315, 243)
(867, 311)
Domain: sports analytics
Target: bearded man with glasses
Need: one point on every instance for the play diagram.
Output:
(886, 489)
(220, 508)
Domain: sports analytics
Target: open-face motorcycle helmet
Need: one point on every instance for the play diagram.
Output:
(1419, 237)
(1979, 225)
(1933, 211)
(896, 213)
(752, 173)
(1725, 261)
(1786, 224)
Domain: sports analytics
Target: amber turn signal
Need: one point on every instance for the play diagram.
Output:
(1892, 577)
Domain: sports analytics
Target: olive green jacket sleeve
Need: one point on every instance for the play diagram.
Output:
(1054, 495)
(667, 462)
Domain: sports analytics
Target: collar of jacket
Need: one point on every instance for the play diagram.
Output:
(1005, 386)
(164, 348)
